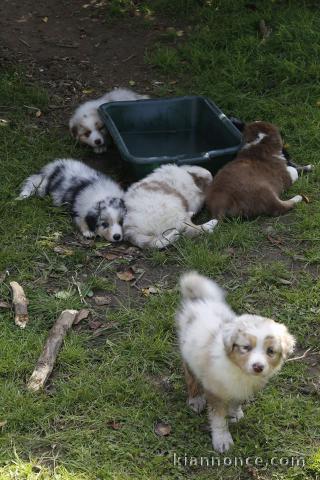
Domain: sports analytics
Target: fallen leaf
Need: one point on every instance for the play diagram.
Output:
(102, 300)
(95, 324)
(284, 281)
(114, 425)
(132, 83)
(126, 275)
(305, 198)
(88, 91)
(150, 291)
(3, 122)
(45, 19)
(63, 294)
(274, 241)
(5, 305)
(162, 429)
(82, 315)
(63, 250)
(180, 33)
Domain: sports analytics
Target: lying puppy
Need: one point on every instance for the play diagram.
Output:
(95, 200)
(161, 206)
(301, 168)
(86, 125)
(227, 358)
(251, 184)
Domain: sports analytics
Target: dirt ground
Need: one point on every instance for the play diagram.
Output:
(71, 46)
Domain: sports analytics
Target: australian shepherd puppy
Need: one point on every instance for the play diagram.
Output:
(161, 206)
(251, 184)
(95, 200)
(227, 358)
(86, 125)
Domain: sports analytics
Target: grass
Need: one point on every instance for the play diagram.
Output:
(96, 418)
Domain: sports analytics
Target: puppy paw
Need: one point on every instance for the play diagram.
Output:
(197, 404)
(209, 226)
(222, 441)
(88, 234)
(100, 149)
(297, 199)
(235, 415)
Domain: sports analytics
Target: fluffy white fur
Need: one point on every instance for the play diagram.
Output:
(227, 357)
(95, 200)
(161, 206)
(86, 125)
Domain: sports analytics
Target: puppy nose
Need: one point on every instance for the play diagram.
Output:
(117, 237)
(258, 367)
(98, 141)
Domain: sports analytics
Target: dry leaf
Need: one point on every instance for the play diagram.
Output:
(126, 275)
(114, 425)
(82, 315)
(150, 291)
(63, 250)
(45, 19)
(305, 198)
(95, 324)
(5, 305)
(274, 241)
(180, 33)
(284, 281)
(162, 429)
(102, 300)
(63, 294)
(3, 122)
(38, 113)
(88, 91)
(132, 83)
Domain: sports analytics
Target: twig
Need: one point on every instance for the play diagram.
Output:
(300, 357)
(50, 351)
(134, 284)
(24, 42)
(20, 304)
(82, 299)
(129, 58)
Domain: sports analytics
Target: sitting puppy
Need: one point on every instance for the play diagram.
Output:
(250, 185)
(227, 358)
(95, 200)
(86, 125)
(161, 206)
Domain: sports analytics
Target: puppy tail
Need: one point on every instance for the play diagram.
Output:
(32, 185)
(194, 286)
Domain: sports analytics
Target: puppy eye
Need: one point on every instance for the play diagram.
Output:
(246, 348)
(120, 222)
(87, 133)
(105, 224)
(270, 351)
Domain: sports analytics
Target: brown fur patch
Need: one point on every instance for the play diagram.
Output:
(251, 184)
(193, 386)
(271, 342)
(201, 182)
(239, 357)
(156, 186)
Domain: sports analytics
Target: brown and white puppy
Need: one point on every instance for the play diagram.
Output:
(160, 207)
(86, 125)
(227, 358)
(252, 183)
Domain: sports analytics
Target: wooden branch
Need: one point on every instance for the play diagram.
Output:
(293, 359)
(20, 304)
(50, 351)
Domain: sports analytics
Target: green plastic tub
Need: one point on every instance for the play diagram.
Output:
(183, 130)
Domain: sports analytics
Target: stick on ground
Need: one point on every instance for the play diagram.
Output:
(20, 304)
(50, 351)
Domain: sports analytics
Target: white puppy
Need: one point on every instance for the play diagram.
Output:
(227, 358)
(86, 125)
(95, 200)
(161, 206)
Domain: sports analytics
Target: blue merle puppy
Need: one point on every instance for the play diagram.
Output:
(95, 200)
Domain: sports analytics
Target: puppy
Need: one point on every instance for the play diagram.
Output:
(301, 168)
(251, 184)
(161, 206)
(95, 200)
(227, 358)
(86, 125)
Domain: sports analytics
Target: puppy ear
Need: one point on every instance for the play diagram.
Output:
(230, 335)
(74, 131)
(201, 182)
(287, 343)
